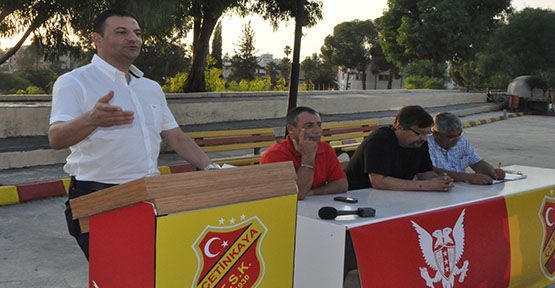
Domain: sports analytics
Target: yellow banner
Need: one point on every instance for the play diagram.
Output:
(528, 237)
(243, 245)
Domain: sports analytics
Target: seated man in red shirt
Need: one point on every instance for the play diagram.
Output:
(318, 170)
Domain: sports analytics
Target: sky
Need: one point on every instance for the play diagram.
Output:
(334, 12)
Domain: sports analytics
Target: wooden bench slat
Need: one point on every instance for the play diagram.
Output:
(227, 133)
(240, 146)
(239, 160)
(233, 140)
(344, 136)
(349, 130)
(347, 124)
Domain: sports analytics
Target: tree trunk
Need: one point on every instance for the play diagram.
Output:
(34, 25)
(364, 78)
(375, 81)
(390, 80)
(434, 68)
(203, 29)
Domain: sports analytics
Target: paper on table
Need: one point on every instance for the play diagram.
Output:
(510, 176)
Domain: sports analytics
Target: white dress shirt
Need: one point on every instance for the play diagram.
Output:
(116, 154)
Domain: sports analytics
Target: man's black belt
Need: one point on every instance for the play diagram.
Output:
(79, 188)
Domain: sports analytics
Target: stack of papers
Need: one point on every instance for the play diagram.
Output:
(510, 176)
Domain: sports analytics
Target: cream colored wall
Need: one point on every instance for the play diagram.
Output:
(30, 118)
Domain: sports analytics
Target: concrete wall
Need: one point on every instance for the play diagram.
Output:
(28, 115)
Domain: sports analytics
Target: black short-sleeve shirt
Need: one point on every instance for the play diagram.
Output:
(380, 153)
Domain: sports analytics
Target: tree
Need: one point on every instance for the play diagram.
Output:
(381, 64)
(59, 26)
(418, 75)
(244, 63)
(523, 46)
(438, 30)
(272, 70)
(349, 46)
(318, 71)
(205, 15)
(217, 46)
(163, 58)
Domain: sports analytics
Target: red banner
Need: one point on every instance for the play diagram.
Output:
(462, 246)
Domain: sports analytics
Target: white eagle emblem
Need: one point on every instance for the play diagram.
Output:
(442, 253)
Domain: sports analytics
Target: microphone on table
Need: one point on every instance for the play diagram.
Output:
(329, 213)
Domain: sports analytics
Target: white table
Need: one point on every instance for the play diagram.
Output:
(320, 244)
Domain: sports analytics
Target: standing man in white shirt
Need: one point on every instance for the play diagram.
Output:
(112, 118)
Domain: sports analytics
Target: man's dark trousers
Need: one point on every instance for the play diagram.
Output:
(79, 188)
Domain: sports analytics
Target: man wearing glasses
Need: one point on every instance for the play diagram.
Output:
(451, 153)
(396, 157)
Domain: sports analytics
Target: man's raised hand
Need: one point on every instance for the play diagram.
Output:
(105, 115)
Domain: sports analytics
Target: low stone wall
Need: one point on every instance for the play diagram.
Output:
(28, 115)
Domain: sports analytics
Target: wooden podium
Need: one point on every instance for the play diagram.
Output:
(220, 228)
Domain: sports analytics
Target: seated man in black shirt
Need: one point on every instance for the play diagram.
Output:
(390, 157)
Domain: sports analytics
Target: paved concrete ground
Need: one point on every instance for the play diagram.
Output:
(35, 250)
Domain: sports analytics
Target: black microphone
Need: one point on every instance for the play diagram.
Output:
(329, 213)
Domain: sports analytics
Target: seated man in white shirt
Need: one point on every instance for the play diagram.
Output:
(451, 153)
(112, 118)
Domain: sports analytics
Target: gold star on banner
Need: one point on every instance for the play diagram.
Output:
(243, 217)
(221, 221)
(232, 221)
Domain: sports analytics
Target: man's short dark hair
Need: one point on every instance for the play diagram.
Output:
(294, 113)
(100, 20)
(413, 116)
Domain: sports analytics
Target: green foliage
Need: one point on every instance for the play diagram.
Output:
(464, 73)
(318, 71)
(40, 76)
(30, 90)
(214, 80)
(423, 82)
(11, 82)
(217, 46)
(204, 15)
(438, 30)
(161, 58)
(244, 63)
(176, 83)
(422, 68)
(524, 46)
(257, 84)
(61, 26)
(281, 84)
(350, 46)
(434, 83)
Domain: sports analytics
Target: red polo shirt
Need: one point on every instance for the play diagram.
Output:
(326, 165)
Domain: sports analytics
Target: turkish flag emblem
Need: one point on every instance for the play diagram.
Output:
(230, 256)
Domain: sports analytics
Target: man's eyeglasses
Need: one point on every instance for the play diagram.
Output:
(420, 134)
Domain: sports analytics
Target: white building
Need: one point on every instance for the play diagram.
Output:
(352, 80)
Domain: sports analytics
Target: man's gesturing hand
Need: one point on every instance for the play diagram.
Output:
(105, 115)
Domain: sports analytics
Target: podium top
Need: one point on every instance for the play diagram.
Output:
(193, 190)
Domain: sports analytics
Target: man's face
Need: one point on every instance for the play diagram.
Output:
(448, 140)
(413, 137)
(121, 40)
(310, 123)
